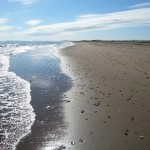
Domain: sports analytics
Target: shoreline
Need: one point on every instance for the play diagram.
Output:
(48, 83)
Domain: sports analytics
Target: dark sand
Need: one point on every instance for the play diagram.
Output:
(109, 105)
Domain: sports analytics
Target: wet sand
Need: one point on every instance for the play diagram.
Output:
(109, 103)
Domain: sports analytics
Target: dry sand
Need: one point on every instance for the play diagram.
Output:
(109, 104)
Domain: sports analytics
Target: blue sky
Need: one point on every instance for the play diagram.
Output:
(74, 19)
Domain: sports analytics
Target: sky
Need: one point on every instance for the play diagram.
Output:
(55, 20)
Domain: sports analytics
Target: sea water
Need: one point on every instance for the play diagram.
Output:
(16, 112)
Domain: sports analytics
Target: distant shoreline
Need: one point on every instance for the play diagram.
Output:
(124, 41)
(142, 41)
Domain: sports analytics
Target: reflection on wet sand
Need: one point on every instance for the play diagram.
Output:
(48, 84)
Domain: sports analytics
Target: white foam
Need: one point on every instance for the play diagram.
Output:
(4, 63)
(63, 45)
(15, 110)
(18, 114)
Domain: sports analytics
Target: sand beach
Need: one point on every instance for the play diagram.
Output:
(108, 105)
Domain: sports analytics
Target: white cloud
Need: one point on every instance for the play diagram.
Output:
(3, 20)
(25, 2)
(5, 28)
(90, 22)
(140, 5)
(33, 22)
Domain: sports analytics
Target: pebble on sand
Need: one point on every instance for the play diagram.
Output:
(82, 111)
(81, 140)
(72, 143)
(97, 104)
(141, 137)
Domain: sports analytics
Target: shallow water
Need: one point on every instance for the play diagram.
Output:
(33, 73)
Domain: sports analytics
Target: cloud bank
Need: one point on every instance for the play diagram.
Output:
(130, 18)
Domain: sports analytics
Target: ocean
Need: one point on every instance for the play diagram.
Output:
(16, 112)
